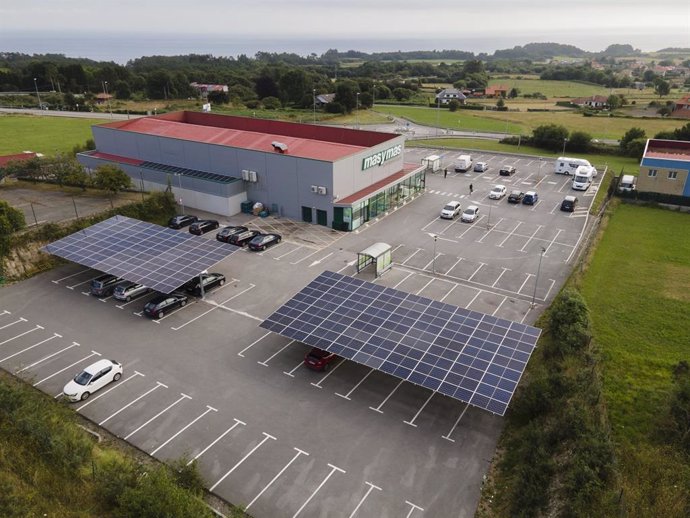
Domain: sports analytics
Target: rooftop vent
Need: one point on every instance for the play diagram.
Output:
(279, 146)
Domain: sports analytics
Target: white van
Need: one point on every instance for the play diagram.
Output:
(463, 163)
(583, 178)
(627, 183)
(565, 165)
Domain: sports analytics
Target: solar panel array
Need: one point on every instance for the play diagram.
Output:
(192, 173)
(470, 356)
(158, 257)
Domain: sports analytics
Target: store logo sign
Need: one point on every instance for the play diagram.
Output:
(381, 157)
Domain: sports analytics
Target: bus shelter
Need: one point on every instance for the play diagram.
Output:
(378, 254)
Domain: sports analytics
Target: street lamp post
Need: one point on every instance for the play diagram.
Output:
(433, 261)
(141, 175)
(438, 114)
(179, 181)
(536, 280)
(105, 92)
(37, 94)
(313, 97)
(201, 283)
(357, 110)
(565, 141)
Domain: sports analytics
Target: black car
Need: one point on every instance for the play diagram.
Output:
(243, 238)
(104, 285)
(203, 226)
(263, 241)
(210, 281)
(516, 196)
(507, 170)
(569, 203)
(182, 220)
(158, 306)
(226, 232)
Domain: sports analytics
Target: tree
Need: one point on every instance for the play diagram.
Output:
(549, 136)
(614, 102)
(453, 105)
(580, 141)
(11, 219)
(402, 94)
(500, 103)
(632, 141)
(293, 85)
(661, 87)
(513, 93)
(366, 100)
(682, 133)
(111, 178)
(271, 103)
(346, 94)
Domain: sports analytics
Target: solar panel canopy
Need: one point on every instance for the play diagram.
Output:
(158, 257)
(467, 355)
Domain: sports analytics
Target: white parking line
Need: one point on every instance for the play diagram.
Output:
(241, 353)
(220, 304)
(371, 488)
(265, 362)
(432, 261)
(56, 281)
(457, 421)
(481, 239)
(306, 257)
(412, 510)
(412, 255)
(79, 284)
(510, 234)
(553, 211)
(548, 247)
(318, 384)
(266, 437)
(481, 265)
(55, 335)
(501, 275)
(425, 286)
(411, 423)
(31, 365)
(549, 290)
(539, 227)
(524, 282)
(378, 408)
(454, 265)
(299, 452)
(136, 373)
(499, 306)
(299, 247)
(158, 385)
(474, 298)
(347, 396)
(237, 422)
(22, 334)
(293, 370)
(173, 312)
(455, 285)
(351, 263)
(208, 409)
(5, 312)
(407, 277)
(333, 470)
(93, 353)
(183, 397)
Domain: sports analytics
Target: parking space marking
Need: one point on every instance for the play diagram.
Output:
(122, 306)
(371, 488)
(539, 227)
(22, 334)
(549, 290)
(299, 452)
(237, 422)
(433, 260)
(413, 254)
(412, 510)
(182, 397)
(241, 353)
(455, 285)
(457, 421)
(217, 305)
(499, 307)
(208, 409)
(31, 365)
(104, 299)
(266, 438)
(93, 353)
(548, 247)
(479, 291)
(347, 396)
(351, 263)
(579, 238)
(136, 373)
(55, 335)
(318, 384)
(553, 211)
(481, 239)
(378, 408)
(333, 470)
(265, 362)
(319, 261)
(57, 281)
(175, 311)
(411, 423)
(407, 277)
(158, 385)
(525, 281)
(79, 284)
(454, 265)
(306, 257)
(278, 258)
(427, 284)
(293, 370)
(500, 275)
(568, 181)
(5, 312)
(481, 265)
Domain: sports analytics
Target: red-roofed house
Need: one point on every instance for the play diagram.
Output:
(682, 108)
(496, 91)
(597, 102)
(332, 176)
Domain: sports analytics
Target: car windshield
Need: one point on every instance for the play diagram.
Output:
(469, 212)
(516, 193)
(449, 207)
(497, 189)
(82, 378)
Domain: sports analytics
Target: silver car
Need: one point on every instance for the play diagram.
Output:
(129, 290)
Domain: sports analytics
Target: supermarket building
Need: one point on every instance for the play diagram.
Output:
(336, 177)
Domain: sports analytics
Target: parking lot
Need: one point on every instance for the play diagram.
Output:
(268, 433)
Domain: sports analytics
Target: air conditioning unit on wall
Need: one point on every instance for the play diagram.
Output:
(323, 190)
(252, 176)
(314, 188)
(245, 175)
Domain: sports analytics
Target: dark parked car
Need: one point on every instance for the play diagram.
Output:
(182, 220)
(158, 306)
(129, 290)
(210, 281)
(226, 232)
(104, 285)
(569, 203)
(319, 360)
(531, 198)
(203, 226)
(243, 238)
(507, 170)
(263, 241)
(515, 196)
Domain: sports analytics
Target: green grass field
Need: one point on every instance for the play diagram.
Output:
(47, 135)
(460, 120)
(567, 89)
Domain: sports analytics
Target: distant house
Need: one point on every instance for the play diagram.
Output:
(103, 97)
(205, 88)
(682, 108)
(496, 91)
(448, 94)
(665, 167)
(597, 102)
(323, 99)
(639, 85)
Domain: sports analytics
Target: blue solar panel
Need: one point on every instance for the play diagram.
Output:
(466, 355)
(160, 258)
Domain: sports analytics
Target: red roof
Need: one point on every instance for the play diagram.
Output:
(4, 160)
(302, 140)
(669, 149)
(381, 184)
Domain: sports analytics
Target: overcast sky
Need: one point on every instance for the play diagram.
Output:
(586, 23)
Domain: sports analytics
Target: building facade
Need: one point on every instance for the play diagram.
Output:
(330, 176)
(665, 167)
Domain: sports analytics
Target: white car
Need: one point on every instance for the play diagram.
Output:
(92, 378)
(451, 210)
(480, 167)
(498, 192)
(470, 214)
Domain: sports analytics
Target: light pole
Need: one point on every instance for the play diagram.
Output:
(141, 175)
(107, 98)
(536, 280)
(179, 181)
(201, 283)
(438, 113)
(357, 110)
(313, 97)
(565, 141)
(433, 261)
(40, 106)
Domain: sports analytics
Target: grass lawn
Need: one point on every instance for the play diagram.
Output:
(469, 120)
(47, 135)
(567, 89)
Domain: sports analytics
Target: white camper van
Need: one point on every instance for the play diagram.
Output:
(583, 178)
(463, 163)
(627, 183)
(565, 165)
(432, 163)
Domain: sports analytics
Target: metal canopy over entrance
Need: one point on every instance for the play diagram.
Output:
(379, 254)
(158, 257)
(469, 356)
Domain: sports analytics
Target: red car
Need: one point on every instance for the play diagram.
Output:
(319, 360)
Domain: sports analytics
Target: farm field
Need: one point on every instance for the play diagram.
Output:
(47, 135)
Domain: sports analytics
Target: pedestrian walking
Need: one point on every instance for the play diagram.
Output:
(471, 188)
(445, 172)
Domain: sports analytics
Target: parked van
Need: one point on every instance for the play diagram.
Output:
(583, 178)
(627, 183)
(463, 163)
(565, 165)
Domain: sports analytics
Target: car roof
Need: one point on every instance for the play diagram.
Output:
(472, 207)
(516, 191)
(530, 193)
(454, 203)
(499, 186)
(98, 366)
(570, 198)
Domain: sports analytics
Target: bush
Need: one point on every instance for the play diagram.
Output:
(335, 107)
(271, 103)
(568, 323)
(549, 136)
(579, 141)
